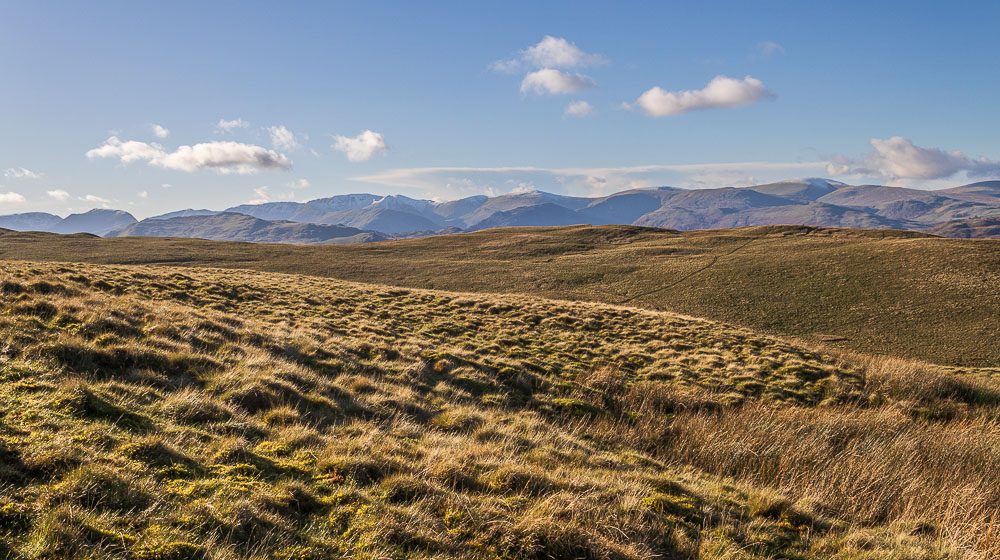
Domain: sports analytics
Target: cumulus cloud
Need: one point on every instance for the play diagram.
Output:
(229, 126)
(447, 183)
(58, 194)
(223, 157)
(282, 138)
(143, 194)
(550, 52)
(579, 109)
(719, 93)
(899, 158)
(159, 131)
(11, 198)
(20, 173)
(555, 82)
(362, 147)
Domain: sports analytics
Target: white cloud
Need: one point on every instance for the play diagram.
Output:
(300, 184)
(11, 198)
(579, 109)
(769, 48)
(447, 183)
(159, 131)
(362, 147)
(720, 92)
(58, 194)
(21, 173)
(229, 126)
(899, 158)
(143, 194)
(555, 82)
(282, 138)
(550, 52)
(127, 152)
(166, 185)
(93, 198)
(223, 157)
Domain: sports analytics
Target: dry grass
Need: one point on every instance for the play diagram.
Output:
(161, 413)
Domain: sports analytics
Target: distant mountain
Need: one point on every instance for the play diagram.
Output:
(546, 214)
(979, 228)
(802, 190)
(987, 192)
(97, 221)
(29, 221)
(184, 214)
(228, 226)
(809, 201)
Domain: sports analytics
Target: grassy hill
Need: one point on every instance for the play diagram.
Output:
(887, 292)
(166, 413)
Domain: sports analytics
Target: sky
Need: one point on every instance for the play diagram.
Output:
(153, 107)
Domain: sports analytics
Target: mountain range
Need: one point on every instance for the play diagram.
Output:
(966, 211)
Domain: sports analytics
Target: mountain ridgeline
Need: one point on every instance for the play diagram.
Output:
(965, 211)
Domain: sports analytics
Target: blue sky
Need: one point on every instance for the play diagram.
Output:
(450, 99)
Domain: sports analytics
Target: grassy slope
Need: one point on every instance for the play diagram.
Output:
(161, 413)
(894, 293)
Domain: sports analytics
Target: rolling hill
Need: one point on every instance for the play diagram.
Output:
(171, 413)
(878, 291)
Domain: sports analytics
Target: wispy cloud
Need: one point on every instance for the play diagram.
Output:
(721, 92)
(362, 147)
(229, 126)
(264, 194)
(282, 138)
(58, 194)
(767, 49)
(550, 52)
(20, 173)
(222, 157)
(454, 182)
(898, 158)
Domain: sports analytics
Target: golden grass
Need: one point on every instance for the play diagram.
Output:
(162, 413)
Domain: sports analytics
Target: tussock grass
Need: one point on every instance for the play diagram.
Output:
(160, 413)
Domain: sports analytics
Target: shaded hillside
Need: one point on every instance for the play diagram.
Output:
(239, 227)
(976, 228)
(881, 291)
(539, 215)
(166, 413)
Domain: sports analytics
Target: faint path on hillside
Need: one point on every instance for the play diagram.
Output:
(693, 273)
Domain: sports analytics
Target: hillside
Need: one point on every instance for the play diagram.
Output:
(981, 228)
(228, 226)
(886, 292)
(161, 413)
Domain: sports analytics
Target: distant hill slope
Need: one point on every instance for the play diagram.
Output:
(537, 215)
(229, 226)
(29, 221)
(97, 221)
(978, 228)
(882, 291)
